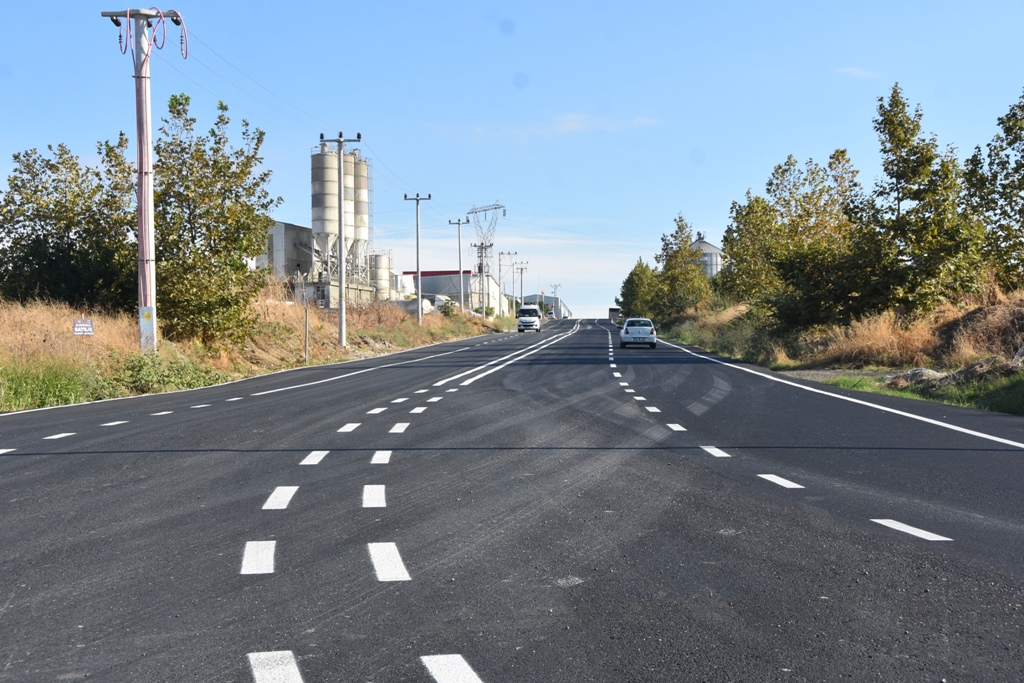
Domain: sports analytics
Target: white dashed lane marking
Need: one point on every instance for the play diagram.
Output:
(381, 458)
(350, 427)
(676, 427)
(421, 391)
(785, 483)
(623, 384)
(399, 428)
(274, 667)
(616, 374)
(639, 398)
(166, 412)
(913, 531)
(202, 405)
(717, 452)
(387, 562)
(630, 391)
(376, 411)
(418, 410)
(236, 398)
(450, 669)
(314, 458)
(451, 391)
(280, 498)
(373, 496)
(614, 365)
(7, 450)
(435, 399)
(400, 400)
(114, 424)
(60, 436)
(258, 557)
(652, 409)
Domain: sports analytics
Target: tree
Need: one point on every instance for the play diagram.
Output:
(750, 240)
(683, 284)
(212, 219)
(995, 191)
(66, 230)
(638, 296)
(919, 205)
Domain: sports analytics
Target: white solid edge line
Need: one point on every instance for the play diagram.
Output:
(258, 557)
(399, 428)
(913, 531)
(373, 496)
(850, 399)
(280, 497)
(387, 563)
(381, 458)
(450, 669)
(314, 458)
(274, 667)
(717, 452)
(784, 483)
(350, 427)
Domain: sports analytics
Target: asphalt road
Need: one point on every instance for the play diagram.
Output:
(516, 507)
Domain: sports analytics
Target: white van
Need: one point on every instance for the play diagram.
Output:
(529, 318)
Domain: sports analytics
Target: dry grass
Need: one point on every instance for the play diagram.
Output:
(43, 331)
(882, 340)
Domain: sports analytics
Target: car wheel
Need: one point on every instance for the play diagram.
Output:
(622, 345)
(654, 345)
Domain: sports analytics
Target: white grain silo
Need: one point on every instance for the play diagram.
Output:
(380, 275)
(324, 180)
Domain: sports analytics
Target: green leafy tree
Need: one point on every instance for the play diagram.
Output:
(66, 230)
(638, 296)
(920, 206)
(750, 240)
(682, 282)
(995, 191)
(212, 219)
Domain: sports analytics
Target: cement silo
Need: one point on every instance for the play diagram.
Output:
(349, 206)
(324, 178)
(380, 275)
(361, 222)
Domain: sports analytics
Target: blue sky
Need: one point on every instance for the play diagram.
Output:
(593, 122)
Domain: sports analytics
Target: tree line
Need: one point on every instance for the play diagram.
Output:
(817, 248)
(68, 231)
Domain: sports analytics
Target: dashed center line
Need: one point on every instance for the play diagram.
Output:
(418, 410)
(373, 496)
(913, 531)
(450, 669)
(399, 428)
(201, 405)
(314, 458)
(280, 498)
(652, 409)
(166, 412)
(676, 427)
(623, 384)
(114, 424)
(381, 458)
(785, 483)
(451, 391)
(350, 427)
(7, 450)
(400, 400)
(60, 436)
(376, 411)
(274, 667)
(630, 391)
(387, 562)
(421, 391)
(616, 374)
(435, 399)
(258, 557)
(717, 452)
(614, 365)
(236, 398)
(639, 398)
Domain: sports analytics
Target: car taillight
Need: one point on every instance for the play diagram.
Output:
(625, 330)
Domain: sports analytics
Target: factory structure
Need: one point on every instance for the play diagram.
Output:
(311, 259)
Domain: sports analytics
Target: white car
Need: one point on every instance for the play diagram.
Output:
(638, 331)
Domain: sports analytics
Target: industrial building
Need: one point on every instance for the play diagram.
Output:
(713, 258)
(477, 292)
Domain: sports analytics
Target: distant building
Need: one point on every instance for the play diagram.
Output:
(713, 258)
(447, 284)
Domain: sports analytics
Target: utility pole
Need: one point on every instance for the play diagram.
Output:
(462, 302)
(521, 270)
(342, 251)
(139, 21)
(483, 247)
(555, 289)
(419, 286)
(501, 289)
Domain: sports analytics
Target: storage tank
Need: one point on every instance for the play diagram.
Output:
(349, 205)
(362, 209)
(324, 175)
(380, 275)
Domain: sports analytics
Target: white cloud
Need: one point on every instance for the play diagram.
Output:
(857, 72)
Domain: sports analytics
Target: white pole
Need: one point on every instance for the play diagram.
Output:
(147, 257)
(342, 336)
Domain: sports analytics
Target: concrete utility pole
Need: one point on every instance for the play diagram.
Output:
(419, 286)
(342, 251)
(555, 289)
(139, 21)
(501, 290)
(462, 302)
(521, 270)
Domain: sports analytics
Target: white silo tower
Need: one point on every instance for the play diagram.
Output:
(324, 178)
(361, 222)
